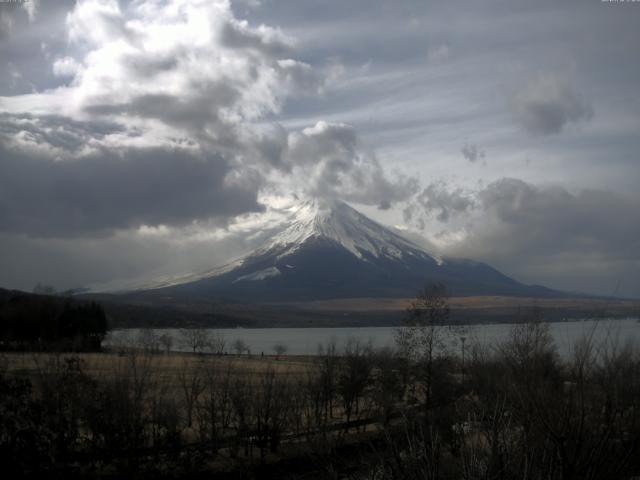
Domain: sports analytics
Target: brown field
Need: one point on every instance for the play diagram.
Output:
(167, 367)
(472, 302)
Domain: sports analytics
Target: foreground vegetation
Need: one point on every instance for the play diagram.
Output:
(515, 411)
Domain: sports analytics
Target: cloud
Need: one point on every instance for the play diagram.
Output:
(438, 53)
(439, 201)
(134, 257)
(164, 120)
(264, 39)
(66, 67)
(127, 258)
(547, 103)
(156, 130)
(31, 7)
(191, 65)
(472, 152)
(110, 190)
(54, 136)
(327, 160)
(585, 239)
(7, 14)
(538, 219)
(552, 219)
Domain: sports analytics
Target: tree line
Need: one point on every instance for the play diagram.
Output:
(44, 322)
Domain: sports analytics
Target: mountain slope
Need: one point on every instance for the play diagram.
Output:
(333, 251)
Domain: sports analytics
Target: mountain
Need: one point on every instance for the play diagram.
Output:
(330, 250)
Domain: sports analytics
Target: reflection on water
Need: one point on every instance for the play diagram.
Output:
(305, 341)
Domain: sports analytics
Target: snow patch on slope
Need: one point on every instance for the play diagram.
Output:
(166, 280)
(259, 275)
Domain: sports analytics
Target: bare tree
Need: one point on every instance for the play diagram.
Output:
(424, 338)
(216, 409)
(148, 340)
(270, 407)
(217, 343)
(192, 386)
(197, 339)
(388, 389)
(239, 346)
(166, 341)
(354, 377)
(327, 364)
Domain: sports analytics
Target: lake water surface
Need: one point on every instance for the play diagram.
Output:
(305, 341)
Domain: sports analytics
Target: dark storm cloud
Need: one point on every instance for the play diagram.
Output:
(586, 240)
(539, 220)
(527, 219)
(188, 111)
(547, 103)
(122, 189)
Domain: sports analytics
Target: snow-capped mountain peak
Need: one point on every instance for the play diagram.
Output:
(337, 222)
(330, 250)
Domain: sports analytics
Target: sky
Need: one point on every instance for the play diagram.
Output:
(148, 138)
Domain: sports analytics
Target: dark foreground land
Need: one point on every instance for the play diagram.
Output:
(513, 411)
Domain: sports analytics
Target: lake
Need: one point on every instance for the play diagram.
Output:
(305, 341)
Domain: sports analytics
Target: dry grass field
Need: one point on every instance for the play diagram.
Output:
(169, 367)
(486, 302)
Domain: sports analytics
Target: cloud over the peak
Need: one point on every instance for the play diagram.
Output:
(329, 161)
(546, 103)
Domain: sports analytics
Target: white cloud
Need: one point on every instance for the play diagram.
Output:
(31, 7)
(66, 67)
